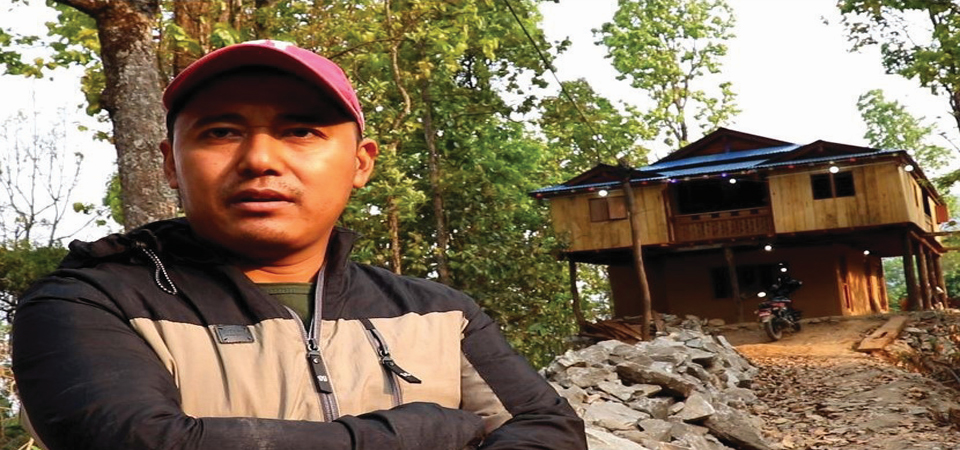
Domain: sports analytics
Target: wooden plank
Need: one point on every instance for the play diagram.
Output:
(883, 336)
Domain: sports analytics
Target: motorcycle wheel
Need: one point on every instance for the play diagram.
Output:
(773, 330)
(796, 326)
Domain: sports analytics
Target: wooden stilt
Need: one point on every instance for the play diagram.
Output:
(913, 294)
(924, 277)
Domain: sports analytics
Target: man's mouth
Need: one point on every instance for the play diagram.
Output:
(262, 197)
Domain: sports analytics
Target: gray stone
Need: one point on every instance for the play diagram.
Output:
(738, 397)
(672, 384)
(602, 440)
(647, 390)
(681, 429)
(672, 355)
(704, 358)
(699, 442)
(657, 429)
(694, 343)
(618, 390)
(613, 416)
(733, 428)
(701, 374)
(594, 355)
(574, 394)
(658, 407)
(587, 376)
(696, 408)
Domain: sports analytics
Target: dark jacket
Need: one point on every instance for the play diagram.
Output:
(151, 340)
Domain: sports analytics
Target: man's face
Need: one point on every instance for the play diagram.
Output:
(265, 164)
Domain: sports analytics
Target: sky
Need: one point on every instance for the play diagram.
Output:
(788, 63)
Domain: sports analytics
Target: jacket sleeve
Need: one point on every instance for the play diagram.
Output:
(88, 381)
(502, 387)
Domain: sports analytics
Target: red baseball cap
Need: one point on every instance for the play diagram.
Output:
(284, 56)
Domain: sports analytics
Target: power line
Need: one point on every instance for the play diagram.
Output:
(563, 90)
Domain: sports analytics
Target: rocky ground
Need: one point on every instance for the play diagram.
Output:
(726, 387)
(816, 392)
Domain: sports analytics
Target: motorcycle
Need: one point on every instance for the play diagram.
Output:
(776, 314)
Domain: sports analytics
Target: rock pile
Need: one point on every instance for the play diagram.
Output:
(685, 390)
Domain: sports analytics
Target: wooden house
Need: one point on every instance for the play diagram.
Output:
(718, 218)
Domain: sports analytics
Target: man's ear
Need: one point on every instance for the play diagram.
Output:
(367, 151)
(169, 164)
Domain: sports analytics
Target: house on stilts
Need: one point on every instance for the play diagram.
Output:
(719, 216)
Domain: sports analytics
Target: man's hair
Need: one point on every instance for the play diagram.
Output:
(176, 108)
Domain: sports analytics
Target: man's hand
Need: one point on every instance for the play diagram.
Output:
(423, 425)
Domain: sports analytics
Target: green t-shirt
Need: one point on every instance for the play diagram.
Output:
(296, 296)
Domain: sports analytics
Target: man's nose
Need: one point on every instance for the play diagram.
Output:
(260, 154)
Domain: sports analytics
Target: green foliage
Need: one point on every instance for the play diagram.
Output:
(928, 53)
(112, 200)
(890, 126)
(896, 281)
(22, 263)
(609, 130)
(666, 48)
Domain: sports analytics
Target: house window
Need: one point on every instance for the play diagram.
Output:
(832, 185)
(705, 196)
(926, 204)
(609, 208)
(750, 278)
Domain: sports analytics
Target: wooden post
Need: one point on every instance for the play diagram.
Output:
(638, 256)
(924, 277)
(575, 293)
(913, 295)
(734, 281)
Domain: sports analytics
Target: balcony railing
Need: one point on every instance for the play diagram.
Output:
(723, 225)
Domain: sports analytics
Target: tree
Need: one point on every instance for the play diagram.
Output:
(927, 54)
(667, 48)
(891, 126)
(605, 132)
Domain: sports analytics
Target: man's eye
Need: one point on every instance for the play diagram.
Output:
(220, 133)
(302, 132)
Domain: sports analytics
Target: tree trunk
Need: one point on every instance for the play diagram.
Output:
(638, 258)
(430, 137)
(132, 98)
(194, 18)
(393, 223)
(575, 293)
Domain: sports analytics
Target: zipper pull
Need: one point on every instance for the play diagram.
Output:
(384, 353)
(320, 376)
(392, 366)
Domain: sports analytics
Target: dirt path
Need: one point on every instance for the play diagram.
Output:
(818, 393)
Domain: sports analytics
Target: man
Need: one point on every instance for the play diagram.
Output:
(245, 325)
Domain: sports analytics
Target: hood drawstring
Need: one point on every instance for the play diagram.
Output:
(161, 271)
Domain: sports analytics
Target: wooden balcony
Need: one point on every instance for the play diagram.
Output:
(723, 225)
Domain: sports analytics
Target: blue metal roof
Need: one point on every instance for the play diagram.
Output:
(755, 163)
(719, 157)
(822, 159)
(716, 168)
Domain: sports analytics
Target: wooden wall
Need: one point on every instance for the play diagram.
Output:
(885, 193)
(571, 218)
(681, 284)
